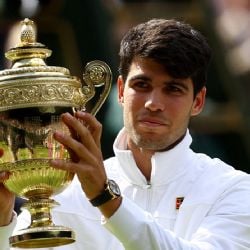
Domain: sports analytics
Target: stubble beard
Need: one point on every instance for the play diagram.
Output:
(147, 143)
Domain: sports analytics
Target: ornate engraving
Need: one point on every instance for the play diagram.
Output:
(96, 74)
(43, 69)
(30, 94)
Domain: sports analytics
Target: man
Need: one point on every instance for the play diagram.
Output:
(171, 197)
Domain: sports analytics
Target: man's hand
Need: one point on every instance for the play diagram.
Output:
(84, 147)
(7, 199)
(85, 150)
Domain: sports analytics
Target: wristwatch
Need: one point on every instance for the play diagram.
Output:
(111, 192)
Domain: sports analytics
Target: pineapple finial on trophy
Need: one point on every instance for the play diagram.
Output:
(28, 32)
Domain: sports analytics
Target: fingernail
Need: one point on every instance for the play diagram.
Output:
(55, 163)
(3, 175)
(68, 115)
(80, 114)
(58, 134)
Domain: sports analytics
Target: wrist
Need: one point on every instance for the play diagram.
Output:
(110, 192)
(5, 220)
(110, 207)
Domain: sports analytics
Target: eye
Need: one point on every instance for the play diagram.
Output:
(174, 89)
(141, 85)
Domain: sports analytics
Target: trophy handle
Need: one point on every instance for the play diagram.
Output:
(97, 73)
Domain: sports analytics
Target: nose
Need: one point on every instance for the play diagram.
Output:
(155, 101)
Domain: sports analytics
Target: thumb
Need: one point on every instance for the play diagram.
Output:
(1, 152)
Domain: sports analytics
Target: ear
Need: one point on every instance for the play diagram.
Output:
(120, 88)
(199, 102)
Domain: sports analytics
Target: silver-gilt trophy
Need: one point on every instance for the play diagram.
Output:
(32, 98)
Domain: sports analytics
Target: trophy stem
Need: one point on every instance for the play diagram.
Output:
(40, 211)
(42, 233)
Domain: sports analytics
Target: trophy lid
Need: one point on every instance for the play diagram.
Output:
(31, 83)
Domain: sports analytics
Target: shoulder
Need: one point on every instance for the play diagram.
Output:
(217, 179)
(217, 168)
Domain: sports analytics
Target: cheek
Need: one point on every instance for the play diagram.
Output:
(131, 107)
(179, 109)
(127, 105)
(131, 102)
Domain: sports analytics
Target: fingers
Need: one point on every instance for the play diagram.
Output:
(4, 176)
(85, 128)
(67, 166)
(92, 124)
(92, 181)
(84, 145)
(84, 142)
(74, 168)
(1, 152)
(76, 148)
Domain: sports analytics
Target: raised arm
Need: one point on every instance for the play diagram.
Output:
(87, 161)
(7, 200)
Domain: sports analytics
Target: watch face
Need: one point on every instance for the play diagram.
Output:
(114, 188)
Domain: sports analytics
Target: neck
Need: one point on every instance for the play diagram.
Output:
(173, 144)
(143, 156)
(143, 161)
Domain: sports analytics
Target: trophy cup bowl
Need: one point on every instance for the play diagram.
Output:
(32, 98)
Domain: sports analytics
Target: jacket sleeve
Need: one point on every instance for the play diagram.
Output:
(225, 226)
(136, 229)
(6, 232)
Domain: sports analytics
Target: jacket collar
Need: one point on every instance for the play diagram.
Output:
(166, 166)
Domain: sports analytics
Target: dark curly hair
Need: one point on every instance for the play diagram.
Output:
(176, 45)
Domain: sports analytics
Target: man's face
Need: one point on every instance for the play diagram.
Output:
(156, 106)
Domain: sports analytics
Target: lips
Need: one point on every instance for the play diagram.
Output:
(152, 121)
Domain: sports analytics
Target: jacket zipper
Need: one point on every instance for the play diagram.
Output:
(149, 197)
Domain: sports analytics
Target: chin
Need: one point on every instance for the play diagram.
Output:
(151, 144)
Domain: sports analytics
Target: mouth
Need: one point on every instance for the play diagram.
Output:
(151, 122)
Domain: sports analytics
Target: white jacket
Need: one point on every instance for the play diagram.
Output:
(215, 212)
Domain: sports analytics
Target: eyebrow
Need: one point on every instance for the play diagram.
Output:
(140, 77)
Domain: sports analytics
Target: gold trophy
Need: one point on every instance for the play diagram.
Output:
(32, 97)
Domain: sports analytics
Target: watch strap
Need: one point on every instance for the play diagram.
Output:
(104, 197)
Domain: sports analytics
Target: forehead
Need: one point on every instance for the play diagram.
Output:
(146, 65)
(147, 68)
